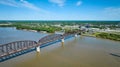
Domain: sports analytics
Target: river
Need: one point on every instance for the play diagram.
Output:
(76, 52)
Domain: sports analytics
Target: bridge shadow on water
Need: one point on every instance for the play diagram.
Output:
(116, 55)
(29, 50)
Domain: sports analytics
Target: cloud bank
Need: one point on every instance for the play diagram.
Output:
(19, 3)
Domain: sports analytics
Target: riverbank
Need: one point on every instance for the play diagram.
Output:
(88, 35)
(34, 28)
(111, 36)
(105, 35)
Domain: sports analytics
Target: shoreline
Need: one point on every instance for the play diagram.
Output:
(45, 32)
(100, 37)
(30, 30)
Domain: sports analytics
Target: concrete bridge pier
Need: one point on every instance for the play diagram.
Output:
(76, 35)
(62, 41)
(38, 48)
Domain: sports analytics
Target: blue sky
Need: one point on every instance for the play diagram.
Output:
(59, 9)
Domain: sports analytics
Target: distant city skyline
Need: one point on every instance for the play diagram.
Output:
(59, 9)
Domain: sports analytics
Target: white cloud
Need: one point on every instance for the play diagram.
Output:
(78, 3)
(58, 2)
(29, 5)
(9, 3)
(20, 3)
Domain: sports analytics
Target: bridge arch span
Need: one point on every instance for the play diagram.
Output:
(17, 46)
(49, 38)
(25, 45)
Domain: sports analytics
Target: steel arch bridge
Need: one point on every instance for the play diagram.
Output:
(18, 46)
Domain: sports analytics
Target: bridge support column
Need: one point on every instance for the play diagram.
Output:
(76, 35)
(38, 49)
(62, 41)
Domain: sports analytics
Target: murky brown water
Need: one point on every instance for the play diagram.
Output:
(79, 52)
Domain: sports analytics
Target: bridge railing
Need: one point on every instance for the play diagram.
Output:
(18, 46)
(49, 38)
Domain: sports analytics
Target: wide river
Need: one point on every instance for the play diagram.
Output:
(76, 52)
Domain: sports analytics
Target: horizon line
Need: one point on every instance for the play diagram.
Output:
(59, 20)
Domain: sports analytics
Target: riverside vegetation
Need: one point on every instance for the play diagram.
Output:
(111, 36)
(49, 27)
(34, 26)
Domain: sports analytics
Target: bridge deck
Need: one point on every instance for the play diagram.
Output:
(18, 46)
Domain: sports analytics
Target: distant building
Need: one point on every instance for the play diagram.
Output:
(57, 25)
(94, 29)
(83, 28)
(59, 32)
(71, 27)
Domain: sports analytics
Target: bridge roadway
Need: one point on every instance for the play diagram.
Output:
(17, 47)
